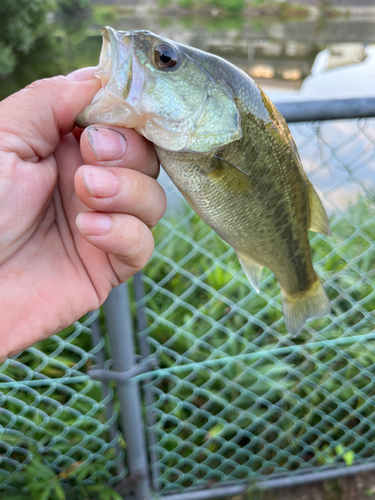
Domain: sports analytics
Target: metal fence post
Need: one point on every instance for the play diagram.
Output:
(121, 336)
(113, 428)
(144, 347)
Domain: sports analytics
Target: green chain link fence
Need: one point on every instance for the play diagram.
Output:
(50, 408)
(234, 398)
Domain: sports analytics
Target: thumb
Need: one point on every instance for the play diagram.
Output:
(33, 120)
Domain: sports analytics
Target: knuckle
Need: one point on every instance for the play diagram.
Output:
(141, 262)
(138, 235)
(46, 83)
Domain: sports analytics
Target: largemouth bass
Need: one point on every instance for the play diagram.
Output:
(226, 148)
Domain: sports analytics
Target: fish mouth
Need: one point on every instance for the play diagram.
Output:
(116, 51)
(117, 70)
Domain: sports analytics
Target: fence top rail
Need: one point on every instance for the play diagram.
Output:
(335, 109)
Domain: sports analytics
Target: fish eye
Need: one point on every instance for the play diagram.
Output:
(165, 56)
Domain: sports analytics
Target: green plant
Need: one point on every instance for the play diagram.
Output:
(230, 6)
(39, 481)
(164, 3)
(186, 4)
(330, 455)
(22, 23)
(290, 11)
(256, 3)
(348, 456)
(104, 14)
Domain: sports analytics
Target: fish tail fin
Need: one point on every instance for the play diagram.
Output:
(299, 308)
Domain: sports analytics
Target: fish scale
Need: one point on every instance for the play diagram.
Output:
(228, 150)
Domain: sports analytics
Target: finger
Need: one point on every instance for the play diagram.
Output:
(82, 74)
(128, 241)
(121, 190)
(43, 111)
(118, 147)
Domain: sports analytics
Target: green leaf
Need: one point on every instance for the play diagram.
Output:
(339, 449)
(59, 490)
(105, 492)
(45, 495)
(15, 496)
(215, 430)
(348, 457)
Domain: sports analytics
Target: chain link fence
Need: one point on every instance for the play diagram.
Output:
(234, 398)
(50, 408)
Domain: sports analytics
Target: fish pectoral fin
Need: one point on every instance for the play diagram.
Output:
(226, 174)
(297, 309)
(318, 217)
(218, 163)
(252, 270)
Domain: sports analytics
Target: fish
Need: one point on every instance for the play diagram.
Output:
(227, 149)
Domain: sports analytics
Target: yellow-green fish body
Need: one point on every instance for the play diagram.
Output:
(228, 151)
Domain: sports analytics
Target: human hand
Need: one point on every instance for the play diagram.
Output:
(75, 212)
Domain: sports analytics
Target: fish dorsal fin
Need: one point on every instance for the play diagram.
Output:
(252, 270)
(318, 217)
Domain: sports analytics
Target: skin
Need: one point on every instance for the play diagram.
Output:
(53, 271)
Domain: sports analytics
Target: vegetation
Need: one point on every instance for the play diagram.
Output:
(24, 23)
(38, 481)
(282, 10)
(230, 6)
(104, 14)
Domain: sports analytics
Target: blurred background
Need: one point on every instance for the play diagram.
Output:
(278, 407)
(295, 49)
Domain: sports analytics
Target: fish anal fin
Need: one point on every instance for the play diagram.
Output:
(298, 308)
(252, 270)
(318, 217)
